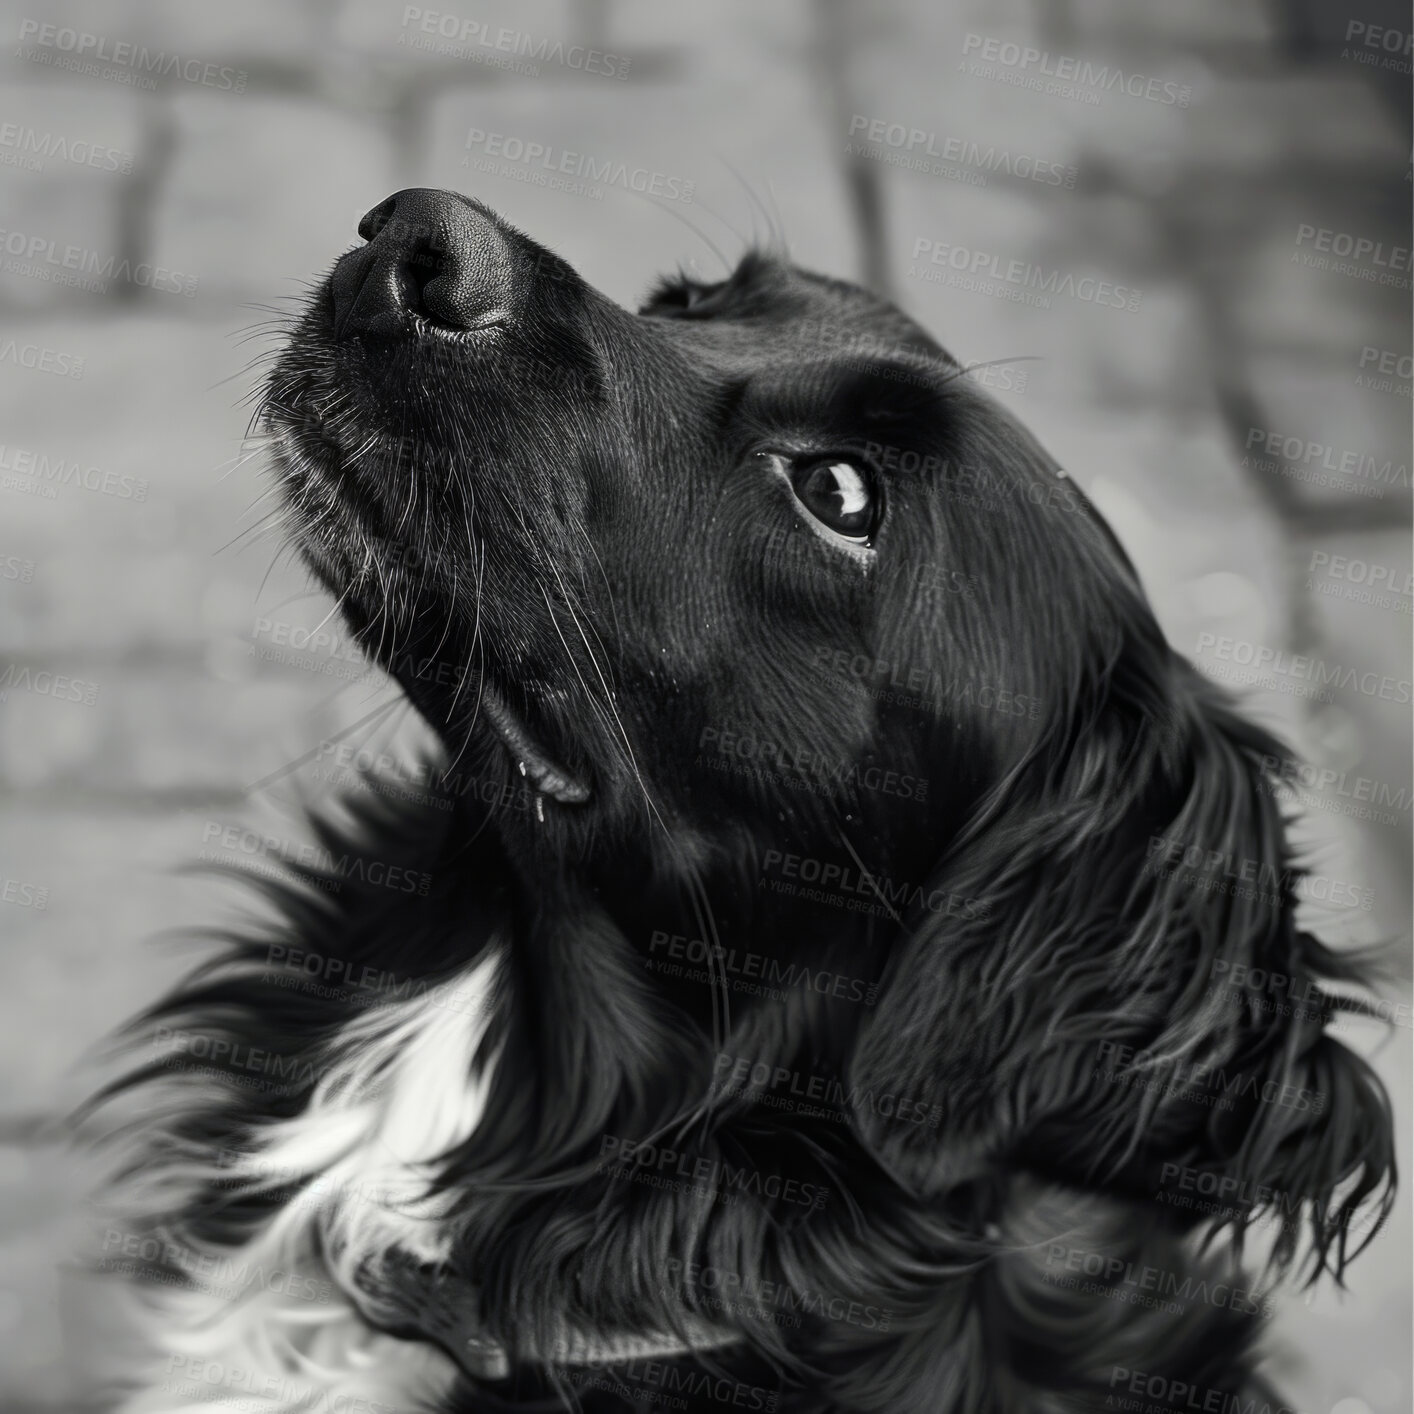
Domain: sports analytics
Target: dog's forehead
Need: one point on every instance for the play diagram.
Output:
(770, 308)
(845, 314)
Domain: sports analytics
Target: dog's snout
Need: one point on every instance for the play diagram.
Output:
(431, 253)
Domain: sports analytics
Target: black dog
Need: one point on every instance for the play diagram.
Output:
(817, 982)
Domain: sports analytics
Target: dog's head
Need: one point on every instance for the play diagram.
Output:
(758, 547)
(759, 568)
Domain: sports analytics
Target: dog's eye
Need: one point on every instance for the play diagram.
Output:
(838, 493)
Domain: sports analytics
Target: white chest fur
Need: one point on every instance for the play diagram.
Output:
(405, 1083)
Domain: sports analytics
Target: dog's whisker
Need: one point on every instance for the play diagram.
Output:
(603, 706)
(272, 493)
(294, 598)
(775, 242)
(780, 242)
(475, 647)
(670, 208)
(744, 242)
(609, 596)
(866, 873)
(267, 356)
(334, 609)
(265, 523)
(242, 460)
(964, 369)
(608, 698)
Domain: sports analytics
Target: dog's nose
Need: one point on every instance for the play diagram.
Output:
(429, 252)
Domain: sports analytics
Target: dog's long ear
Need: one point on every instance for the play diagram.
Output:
(1092, 1021)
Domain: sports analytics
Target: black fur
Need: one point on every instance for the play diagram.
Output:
(571, 510)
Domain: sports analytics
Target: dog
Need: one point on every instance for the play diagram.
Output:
(821, 968)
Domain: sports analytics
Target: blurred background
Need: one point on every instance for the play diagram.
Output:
(171, 173)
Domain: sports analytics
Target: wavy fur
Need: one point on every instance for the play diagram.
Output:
(617, 1110)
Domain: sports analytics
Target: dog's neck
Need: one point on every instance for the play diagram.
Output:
(794, 931)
